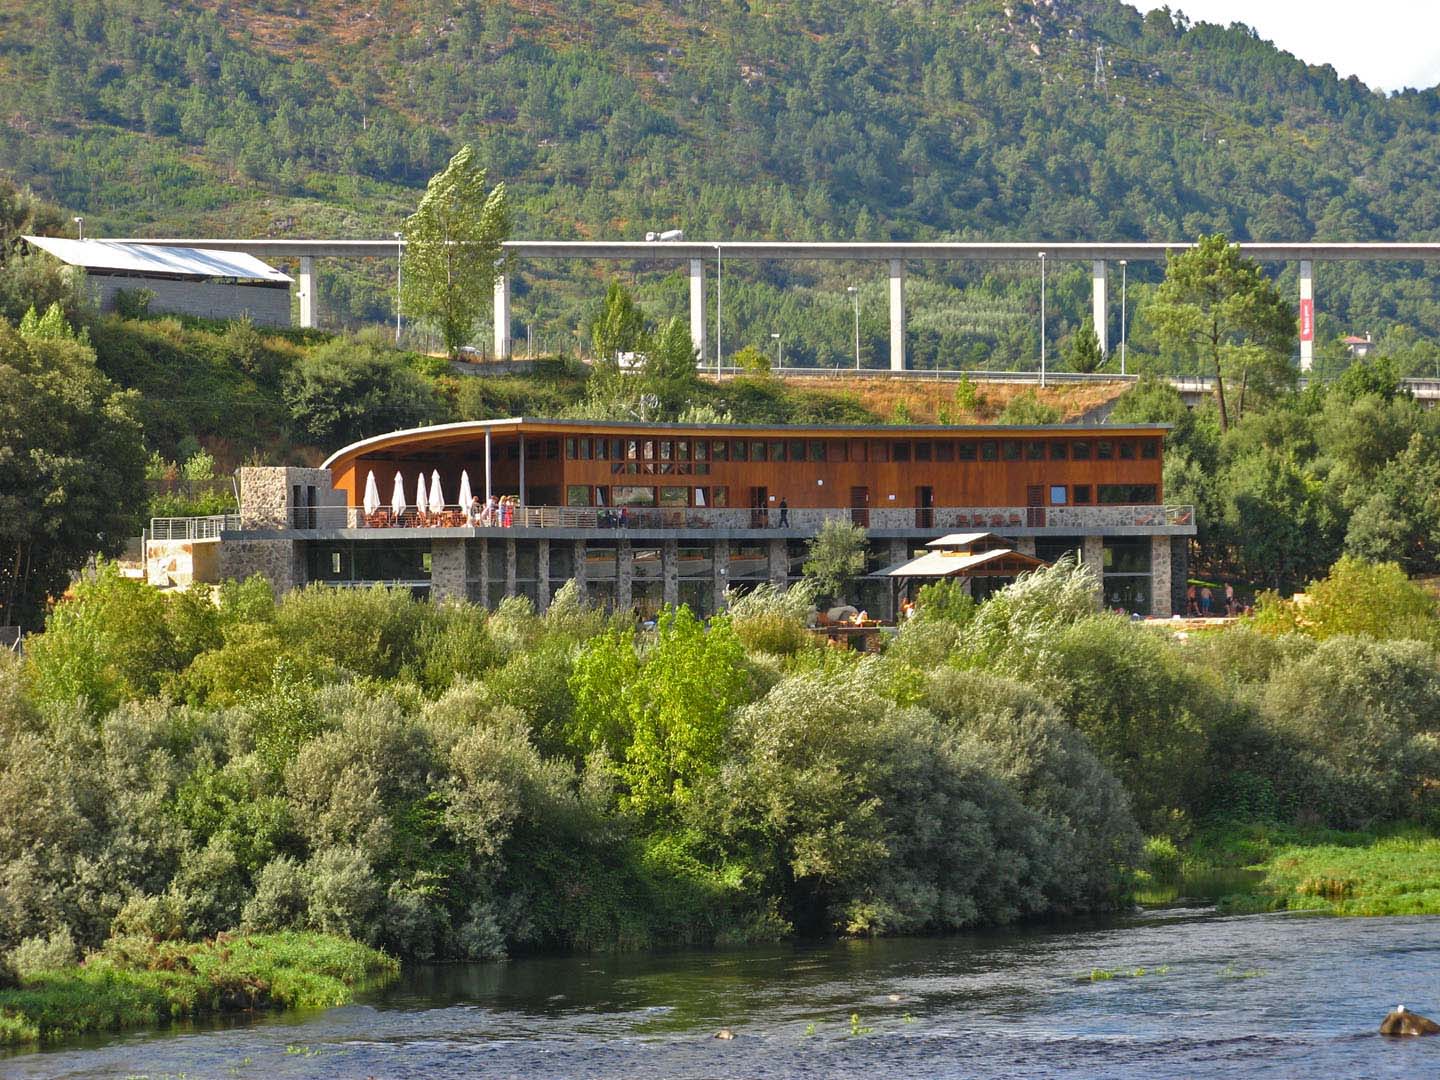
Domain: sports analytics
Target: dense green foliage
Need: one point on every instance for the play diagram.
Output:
(852, 119)
(439, 781)
(136, 981)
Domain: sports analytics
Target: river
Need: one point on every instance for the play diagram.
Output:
(1255, 996)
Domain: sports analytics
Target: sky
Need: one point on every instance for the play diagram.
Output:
(1389, 44)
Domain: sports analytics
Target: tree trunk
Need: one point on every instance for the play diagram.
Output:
(1219, 379)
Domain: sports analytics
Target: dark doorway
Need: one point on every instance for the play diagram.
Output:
(924, 507)
(759, 507)
(860, 506)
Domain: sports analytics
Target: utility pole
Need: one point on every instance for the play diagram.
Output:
(719, 294)
(855, 292)
(399, 264)
(1123, 268)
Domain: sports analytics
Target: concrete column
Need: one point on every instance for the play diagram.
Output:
(624, 575)
(720, 553)
(697, 307)
(522, 470)
(449, 569)
(897, 315)
(307, 291)
(1025, 545)
(1160, 576)
(1092, 554)
(779, 561)
(487, 466)
(1099, 308)
(581, 582)
(542, 574)
(670, 572)
(1307, 315)
(502, 316)
(509, 568)
(484, 551)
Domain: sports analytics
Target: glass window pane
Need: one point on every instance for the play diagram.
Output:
(633, 496)
(577, 495)
(1080, 451)
(674, 496)
(1034, 451)
(923, 450)
(965, 451)
(1059, 451)
(1010, 450)
(900, 451)
(989, 451)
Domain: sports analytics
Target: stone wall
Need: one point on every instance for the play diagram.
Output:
(449, 569)
(278, 561)
(1160, 585)
(266, 494)
(265, 305)
(1092, 554)
(182, 562)
(670, 572)
(1179, 571)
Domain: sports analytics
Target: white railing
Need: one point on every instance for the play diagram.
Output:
(193, 528)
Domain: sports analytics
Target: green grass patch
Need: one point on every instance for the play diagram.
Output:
(135, 982)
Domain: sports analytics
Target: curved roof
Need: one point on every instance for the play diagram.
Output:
(115, 257)
(436, 435)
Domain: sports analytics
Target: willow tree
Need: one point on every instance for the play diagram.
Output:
(1217, 305)
(453, 249)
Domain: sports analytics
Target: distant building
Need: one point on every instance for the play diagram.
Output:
(644, 514)
(1359, 346)
(181, 280)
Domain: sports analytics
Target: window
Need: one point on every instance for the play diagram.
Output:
(1010, 450)
(615, 445)
(880, 451)
(815, 450)
(532, 450)
(667, 452)
(552, 449)
(1034, 451)
(1127, 450)
(584, 449)
(1150, 448)
(1057, 494)
(720, 450)
(700, 497)
(738, 451)
(795, 450)
(632, 450)
(633, 496)
(924, 451)
(647, 449)
(577, 495)
(1082, 494)
(945, 451)
(682, 450)
(1125, 494)
(1059, 451)
(602, 497)
(858, 449)
(702, 449)
(757, 450)
(989, 451)
(965, 451)
(602, 449)
(672, 497)
(1104, 450)
(775, 451)
(720, 496)
(1080, 451)
(900, 451)
(569, 449)
(839, 450)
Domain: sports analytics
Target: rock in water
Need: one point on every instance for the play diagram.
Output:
(1404, 1022)
(724, 1033)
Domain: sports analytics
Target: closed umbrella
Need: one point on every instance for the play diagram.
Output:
(372, 494)
(397, 500)
(437, 500)
(422, 501)
(466, 496)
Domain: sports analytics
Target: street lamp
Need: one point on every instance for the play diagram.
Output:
(399, 252)
(719, 296)
(1042, 318)
(779, 351)
(1123, 269)
(80, 226)
(853, 291)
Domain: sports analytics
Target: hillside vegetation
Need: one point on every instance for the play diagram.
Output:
(851, 118)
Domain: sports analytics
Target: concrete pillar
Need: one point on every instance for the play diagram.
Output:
(487, 466)
(449, 569)
(581, 581)
(720, 567)
(670, 572)
(509, 568)
(897, 314)
(697, 307)
(522, 470)
(483, 550)
(502, 316)
(779, 560)
(1092, 554)
(307, 291)
(542, 574)
(624, 576)
(1099, 308)
(1025, 545)
(1307, 315)
(1160, 576)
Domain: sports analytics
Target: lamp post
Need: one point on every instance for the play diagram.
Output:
(779, 351)
(855, 292)
(719, 295)
(1042, 318)
(399, 253)
(1123, 270)
(79, 227)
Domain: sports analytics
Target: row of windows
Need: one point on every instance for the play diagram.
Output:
(677, 496)
(681, 454)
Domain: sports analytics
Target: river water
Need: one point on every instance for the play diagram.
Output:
(1254, 996)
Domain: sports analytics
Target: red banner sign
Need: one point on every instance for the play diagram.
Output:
(1307, 320)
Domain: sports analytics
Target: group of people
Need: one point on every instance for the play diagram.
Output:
(1201, 604)
(494, 512)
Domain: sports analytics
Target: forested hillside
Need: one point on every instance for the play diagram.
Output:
(847, 118)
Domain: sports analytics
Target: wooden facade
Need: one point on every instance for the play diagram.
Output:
(586, 463)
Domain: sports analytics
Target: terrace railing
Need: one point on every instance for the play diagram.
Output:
(193, 528)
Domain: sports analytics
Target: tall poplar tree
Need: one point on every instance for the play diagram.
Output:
(452, 249)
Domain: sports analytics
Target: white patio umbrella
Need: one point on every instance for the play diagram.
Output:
(372, 494)
(397, 500)
(422, 501)
(465, 493)
(437, 499)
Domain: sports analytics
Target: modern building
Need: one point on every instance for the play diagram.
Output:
(202, 282)
(644, 514)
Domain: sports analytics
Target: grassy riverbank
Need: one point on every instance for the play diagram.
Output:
(134, 982)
